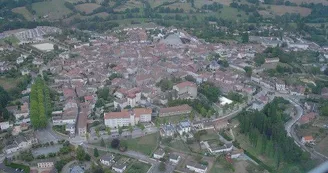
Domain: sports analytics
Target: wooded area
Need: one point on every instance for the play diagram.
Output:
(40, 104)
(267, 134)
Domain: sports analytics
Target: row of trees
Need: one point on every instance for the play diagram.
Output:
(40, 104)
(267, 134)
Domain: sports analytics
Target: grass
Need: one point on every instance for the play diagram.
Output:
(322, 146)
(146, 144)
(23, 11)
(179, 145)
(172, 119)
(155, 3)
(87, 7)
(55, 9)
(218, 168)
(211, 134)
(130, 4)
(138, 167)
(11, 39)
(9, 83)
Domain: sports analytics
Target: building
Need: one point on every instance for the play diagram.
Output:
(167, 130)
(82, 124)
(158, 154)
(77, 169)
(307, 118)
(4, 125)
(236, 153)
(186, 90)
(215, 148)
(119, 167)
(127, 117)
(174, 158)
(175, 110)
(257, 105)
(307, 139)
(21, 142)
(280, 86)
(45, 164)
(184, 127)
(271, 60)
(107, 160)
(203, 125)
(196, 167)
(127, 97)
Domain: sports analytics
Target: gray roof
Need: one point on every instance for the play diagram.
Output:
(197, 165)
(77, 169)
(174, 156)
(119, 165)
(159, 152)
(107, 157)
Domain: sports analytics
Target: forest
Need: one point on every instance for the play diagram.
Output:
(266, 132)
(40, 104)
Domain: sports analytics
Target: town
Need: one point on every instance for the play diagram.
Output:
(157, 99)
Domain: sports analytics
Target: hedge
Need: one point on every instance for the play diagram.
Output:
(270, 169)
(20, 166)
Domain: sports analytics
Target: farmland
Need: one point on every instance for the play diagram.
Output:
(9, 83)
(54, 9)
(87, 7)
(23, 11)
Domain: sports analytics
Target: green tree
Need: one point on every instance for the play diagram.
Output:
(80, 153)
(248, 71)
(245, 37)
(95, 152)
(102, 142)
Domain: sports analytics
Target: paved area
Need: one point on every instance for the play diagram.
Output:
(45, 136)
(7, 169)
(46, 150)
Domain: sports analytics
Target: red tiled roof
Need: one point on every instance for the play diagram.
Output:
(125, 113)
(308, 138)
(186, 84)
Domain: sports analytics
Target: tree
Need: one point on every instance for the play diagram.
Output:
(120, 130)
(80, 153)
(115, 143)
(95, 152)
(162, 167)
(108, 130)
(123, 146)
(245, 37)
(248, 71)
(56, 47)
(130, 128)
(102, 142)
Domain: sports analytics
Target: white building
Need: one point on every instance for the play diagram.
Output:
(119, 167)
(186, 90)
(107, 160)
(174, 158)
(280, 86)
(4, 125)
(127, 117)
(193, 166)
(214, 149)
(158, 154)
(184, 127)
(45, 164)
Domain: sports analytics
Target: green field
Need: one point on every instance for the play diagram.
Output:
(138, 167)
(55, 9)
(23, 11)
(179, 145)
(11, 39)
(9, 83)
(146, 144)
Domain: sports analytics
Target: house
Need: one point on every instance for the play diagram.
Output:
(175, 110)
(203, 125)
(196, 167)
(257, 105)
(158, 154)
(25, 71)
(167, 130)
(214, 65)
(70, 128)
(119, 167)
(12, 148)
(174, 158)
(45, 164)
(184, 127)
(307, 118)
(186, 90)
(307, 139)
(280, 86)
(107, 160)
(127, 117)
(216, 148)
(271, 60)
(82, 124)
(4, 125)
(21, 142)
(236, 153)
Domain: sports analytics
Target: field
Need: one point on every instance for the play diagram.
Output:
(311, 130)
(55, 9)
(185, 6)
(23, 11)
(281, 10)
(211, 134)
(199, 3)
(11, 39)
(218, 168)
(179, 145)
(141, 167)
(87, 7)
(8, 83)
(324, 2)
(155, 3)
(146, 144)
(44, 46)
(321, 147)
(130, 4)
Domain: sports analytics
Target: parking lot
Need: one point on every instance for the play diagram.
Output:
(45, 136)
(46, 150)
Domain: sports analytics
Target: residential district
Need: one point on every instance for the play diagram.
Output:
(155, 99)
